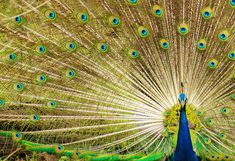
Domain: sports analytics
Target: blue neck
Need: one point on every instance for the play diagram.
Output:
(184, 149)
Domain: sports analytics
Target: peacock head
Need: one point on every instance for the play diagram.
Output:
(182, 99)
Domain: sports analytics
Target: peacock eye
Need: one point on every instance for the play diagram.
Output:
(41, 78)
(213, 63)
(223, 35)
(231, 55)
(18, 135)
(18, 19)
(19, 87)
(82, 17)
(157, 11)
(143, 32)
(40, 49)
(224, 110)
(134, 54)
(102, 47)
(59, 149)
(12, 56)
(34, 118)
(50, 14)
(207, 13)
(114, 21)
(201, 44)
(71, 46)
(51, 104)
(164, 44)
(70, 73)
(183, 29)
(232, 3)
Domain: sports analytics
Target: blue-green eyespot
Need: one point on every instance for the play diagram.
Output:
(143, 31)
(70, 73)
(41, 49)
(102, 47)
(223, 35)
(51, 15)
(164, 44)
(213, 63)
(157, 11)
(207, 13)
(202, 44)
(34, 118)
(19, 87)
(114, 21)
(134, 54)
(82, 17)
(183, 29)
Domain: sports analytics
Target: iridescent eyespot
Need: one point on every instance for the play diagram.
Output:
(12, 56)
(143, 31)
(71, 46)
(222, 135)
(41, 49)
(16, 136)
(18, 19)
(183, 29)
(213, 63)
(227, 157)
(41, 78)
(19, 87)
(82, 17)
(34, 118)
(164, 44)
(133, 2)
(207, 13)
(50, 14)
(70, 73)
(232, 3)
(209, 121)
(207, 140)
(157, 11)
(2, 102)
(134, 54)
(223, 35)
(202, 44)
(224, 110)
(102, 47)
(114, 21)
(59, 149)
(231, 55)
(51, 104)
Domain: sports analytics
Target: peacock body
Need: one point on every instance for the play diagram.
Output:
(100, 80)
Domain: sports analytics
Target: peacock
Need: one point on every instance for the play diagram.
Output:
(117, 80)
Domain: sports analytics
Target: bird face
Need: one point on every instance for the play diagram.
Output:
(182, 99)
